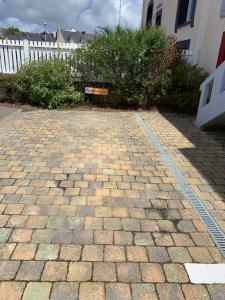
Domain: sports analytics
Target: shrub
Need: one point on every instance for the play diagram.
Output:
(6, 88)
(47, 83)
(134, 63)
(183, 93)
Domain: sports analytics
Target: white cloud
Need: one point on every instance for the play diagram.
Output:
(82, 14)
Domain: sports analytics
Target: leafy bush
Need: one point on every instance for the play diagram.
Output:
(47, 83)
(134, 63)
(183, 93)
(6, 88)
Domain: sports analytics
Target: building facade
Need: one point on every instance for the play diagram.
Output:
(196, 24)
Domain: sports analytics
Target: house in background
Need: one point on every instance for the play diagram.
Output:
(197, 25)
(30, 36)
(72, 36)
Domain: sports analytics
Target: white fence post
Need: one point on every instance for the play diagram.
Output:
(26, 50)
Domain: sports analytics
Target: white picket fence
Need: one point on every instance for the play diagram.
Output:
(191, 56)
(13, 54)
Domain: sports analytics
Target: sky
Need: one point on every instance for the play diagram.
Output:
(85, 15)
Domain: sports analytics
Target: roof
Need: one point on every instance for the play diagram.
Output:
(76, 36)
(30, 36)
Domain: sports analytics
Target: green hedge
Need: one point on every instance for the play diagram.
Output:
(47, 83)
(183, 93)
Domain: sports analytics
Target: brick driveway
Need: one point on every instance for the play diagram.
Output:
(88, 210)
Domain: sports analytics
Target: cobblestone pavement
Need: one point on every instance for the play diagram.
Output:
(88, 209)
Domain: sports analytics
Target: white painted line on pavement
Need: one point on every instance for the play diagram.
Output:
(206, 273)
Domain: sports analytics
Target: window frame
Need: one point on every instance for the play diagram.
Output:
(190, 17)
(222, 10)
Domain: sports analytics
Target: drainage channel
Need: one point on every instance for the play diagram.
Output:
(211, 225)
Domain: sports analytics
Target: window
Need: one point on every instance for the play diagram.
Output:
(158, 19)
(185, 12)
(189, 11)
(222, 13)
(150, 14)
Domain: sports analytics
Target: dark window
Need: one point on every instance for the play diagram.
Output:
(158, 19)
(185, 12)
(184, 45)
(150, 14)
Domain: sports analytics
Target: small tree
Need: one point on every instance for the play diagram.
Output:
(12, 30)
(136, 63)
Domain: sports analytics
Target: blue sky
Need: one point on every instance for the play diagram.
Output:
(29, 15)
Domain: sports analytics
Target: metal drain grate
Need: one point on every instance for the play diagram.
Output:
(212, 227)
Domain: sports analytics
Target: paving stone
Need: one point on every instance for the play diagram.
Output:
(62, 236)
(136, 254)
(54, 271)
(104, 272)
(142, 291)
(92, 253)
(143, 239)
(5, 234)
(11, 290)
(11, 198)
(57, 222)
(42, 236)
(104, 237)
(118, 291)
(83, 237)
(179, 255)
(37, 290)
(78, 200)
(168, 291)
(114, 253)
(158, 254)
(131, 224)
(85, 211)
(194, 292)
(91, 290)
(70, 252)
(21, 235)
(24, 252)
(17, 221)
(103, 212)
(202, 239)
(47, 252)
(200, 255)
(128, 272)
(175, 273)
(3, 220)
(36, 221)
(8, 269)
(30, 271)
(93, 223)
(79, 271)
(64, 290)
(165, 239)
(6, 250)
(112, 224)
(186, 226)
(217, 291)
(120, 212)
(152, 272)
(123, 238)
